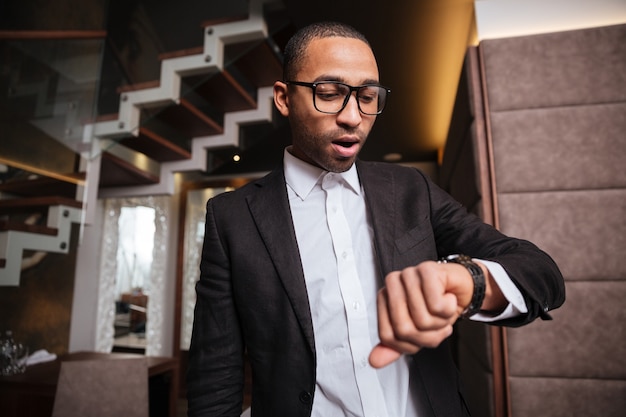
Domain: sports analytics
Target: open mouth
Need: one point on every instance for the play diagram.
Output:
(345, 144)
(346, 149)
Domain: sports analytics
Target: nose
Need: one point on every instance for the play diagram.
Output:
(350, 115)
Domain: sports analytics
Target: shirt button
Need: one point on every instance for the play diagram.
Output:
(355, 305)
(344, 255)
(363, 362)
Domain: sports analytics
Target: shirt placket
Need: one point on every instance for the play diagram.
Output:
(368, 384)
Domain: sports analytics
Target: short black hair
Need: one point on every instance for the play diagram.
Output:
(296, 47)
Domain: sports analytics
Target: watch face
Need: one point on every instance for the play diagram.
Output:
(457, 258)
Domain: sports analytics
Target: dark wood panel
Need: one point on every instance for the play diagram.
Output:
(223, 91)
(52, 34)
(21, 204)
(155, 146)
(115, 172)
(189, 119)
(41, 186)
(257, 62)
(23, 227)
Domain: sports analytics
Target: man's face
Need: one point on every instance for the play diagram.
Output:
(331, 141)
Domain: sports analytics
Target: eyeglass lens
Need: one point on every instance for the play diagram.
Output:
(332, 97)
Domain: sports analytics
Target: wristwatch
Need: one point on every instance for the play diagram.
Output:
(478, 296)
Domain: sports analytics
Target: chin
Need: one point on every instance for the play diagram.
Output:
(339, 166)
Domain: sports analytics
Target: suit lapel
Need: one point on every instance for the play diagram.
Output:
(269, 207)
(379, 190)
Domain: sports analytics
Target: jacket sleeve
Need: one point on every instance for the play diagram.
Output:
(215, 374)
(532, 270)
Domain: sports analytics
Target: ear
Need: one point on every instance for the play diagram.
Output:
(281, 100)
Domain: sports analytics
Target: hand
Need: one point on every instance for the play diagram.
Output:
(418, 307)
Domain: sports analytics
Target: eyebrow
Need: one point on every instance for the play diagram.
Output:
(325, 77)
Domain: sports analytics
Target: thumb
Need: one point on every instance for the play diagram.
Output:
(382, 356)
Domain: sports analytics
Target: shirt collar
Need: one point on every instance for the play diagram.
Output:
(302, 176)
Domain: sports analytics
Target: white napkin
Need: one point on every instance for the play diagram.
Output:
(39, 356)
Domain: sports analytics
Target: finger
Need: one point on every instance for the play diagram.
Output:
(405, 338)
(386, 330)
(439, 302)
(408, 309)
(382, 356)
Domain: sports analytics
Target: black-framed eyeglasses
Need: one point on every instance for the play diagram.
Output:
(331, 97)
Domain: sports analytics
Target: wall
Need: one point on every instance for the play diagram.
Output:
(550, 107)
(568, 375)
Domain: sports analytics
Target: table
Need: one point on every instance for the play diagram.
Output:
(31, 394)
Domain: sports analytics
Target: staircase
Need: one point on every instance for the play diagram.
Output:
(17, 236)
(210, 102)
(204, 97)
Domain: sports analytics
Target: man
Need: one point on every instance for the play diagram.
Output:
(325, 272)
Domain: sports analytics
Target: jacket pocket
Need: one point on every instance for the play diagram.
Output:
(417, 236)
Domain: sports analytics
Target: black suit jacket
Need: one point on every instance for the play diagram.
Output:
(252, 298)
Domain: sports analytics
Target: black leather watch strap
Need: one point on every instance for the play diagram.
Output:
(478, 296)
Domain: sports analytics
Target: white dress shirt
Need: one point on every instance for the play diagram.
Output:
(335, 240)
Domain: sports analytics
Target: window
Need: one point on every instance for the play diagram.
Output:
(136, 229)
(133, 274)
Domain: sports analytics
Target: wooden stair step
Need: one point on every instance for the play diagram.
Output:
(117, 172)
(139, 86)
(196, 50)
(220, 20)
(42, 186)
(155, 146)
(14, 205)
(6, 226)
(189, 119)
(223, 91)
(257, 62)
(107, 117)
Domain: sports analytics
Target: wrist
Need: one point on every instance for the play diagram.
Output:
(495, 302)
(479, 282)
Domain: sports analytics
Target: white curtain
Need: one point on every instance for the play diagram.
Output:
(108, 292)
(194, 237)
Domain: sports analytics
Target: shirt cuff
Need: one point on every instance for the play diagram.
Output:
(516, 305)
